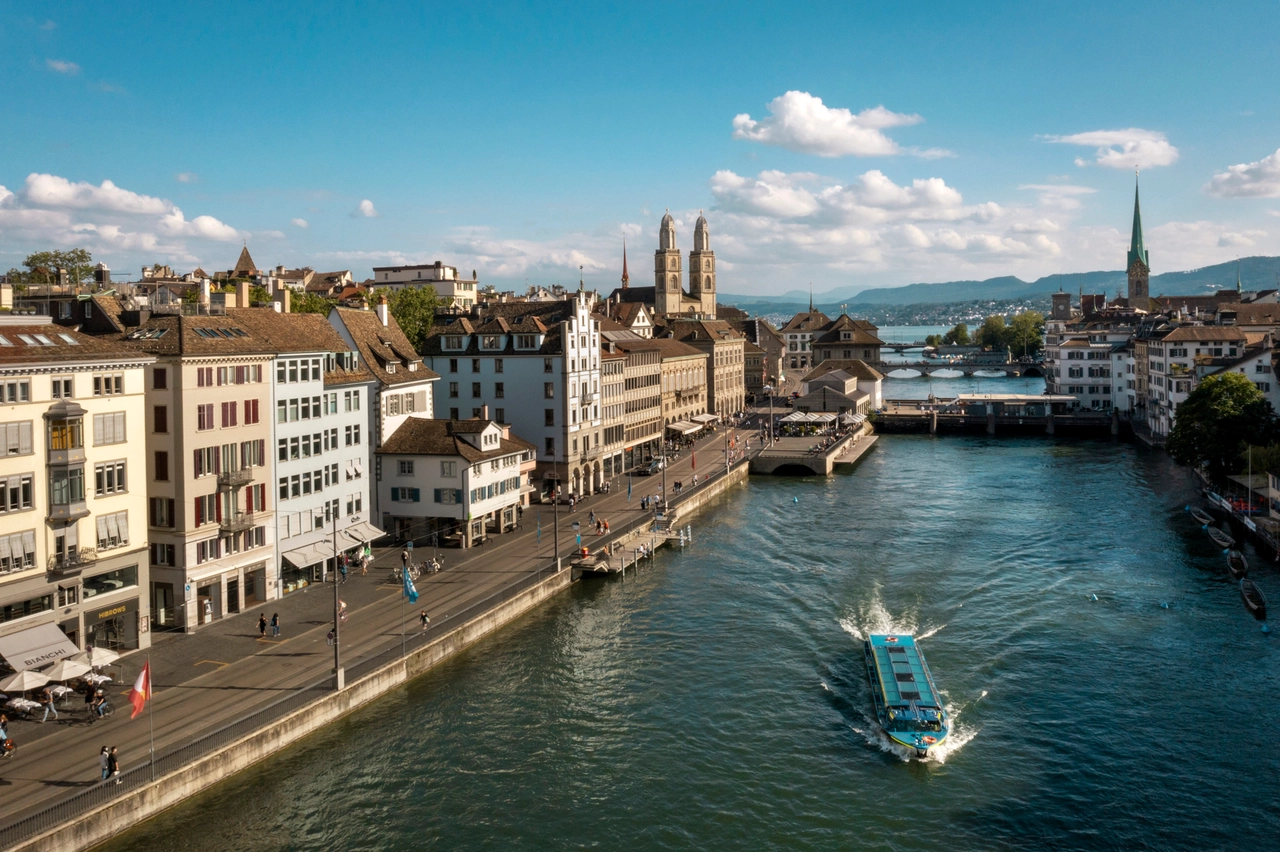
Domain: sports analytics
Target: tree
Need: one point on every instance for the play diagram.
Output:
(1025, 334)
(958, 336)
(43, 265)
(1217, 419)
(415, 310)
(992, 333)
(258, 293)
(309, 303)
(934, 340)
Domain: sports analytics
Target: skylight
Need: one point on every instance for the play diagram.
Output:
(4, 341)
(28, 339)
(44, 341)
(69, 339)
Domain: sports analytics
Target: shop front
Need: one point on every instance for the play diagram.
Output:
(113, 626)
(303, 566)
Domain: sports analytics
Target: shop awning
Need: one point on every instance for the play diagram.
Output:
(36, 646)
(362, 532)
(704, 419)
(309, 554)
(795, 417)
(684, 427)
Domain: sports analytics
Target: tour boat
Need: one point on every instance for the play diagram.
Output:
(1254, 600)
(1202, 516)
(1220, 538)
(1237, 564)
(908, 705)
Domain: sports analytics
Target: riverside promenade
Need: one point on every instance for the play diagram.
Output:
(225, 675)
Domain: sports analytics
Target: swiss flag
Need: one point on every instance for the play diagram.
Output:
(141, 690)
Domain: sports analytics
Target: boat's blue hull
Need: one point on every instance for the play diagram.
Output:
(907, 702)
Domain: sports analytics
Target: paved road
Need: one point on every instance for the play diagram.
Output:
(226, 671)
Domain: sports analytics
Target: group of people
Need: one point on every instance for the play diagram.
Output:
(601, 525)
(275, 625)
(109, 763)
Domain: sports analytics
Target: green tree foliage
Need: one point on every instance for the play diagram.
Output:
(1026, 333)
(1217, 419)
(933, 340)
(992, 333)
(310, 303)
(258, 293)
(43, 265)
(958, 336)
(415, 310)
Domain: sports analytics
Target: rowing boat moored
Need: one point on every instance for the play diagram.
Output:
(1237, 564)
(1254, 600)
(1220, 538)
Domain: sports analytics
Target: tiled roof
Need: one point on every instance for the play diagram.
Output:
(832, 331)
(380, 345)
(806, 321)
(25, 344)
(1252, 313)
(422, 437)
(244, 267)
(646, 295)
(702, 330)
(510, 318)
(853, 367)
(1203, 333)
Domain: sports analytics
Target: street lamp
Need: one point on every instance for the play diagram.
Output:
(339, 680)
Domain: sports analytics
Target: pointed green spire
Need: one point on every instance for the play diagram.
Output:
(1137, 250)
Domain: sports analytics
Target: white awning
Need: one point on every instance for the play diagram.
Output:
(705, 418)
(36, 646)
(361, 532)
(795, 417)
(309, 554)
(684, 427)
(823, 417)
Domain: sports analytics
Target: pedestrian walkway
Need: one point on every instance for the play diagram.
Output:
(227, 671)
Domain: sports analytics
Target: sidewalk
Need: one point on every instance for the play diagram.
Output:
(225, 671)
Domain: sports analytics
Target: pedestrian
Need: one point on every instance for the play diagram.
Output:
(404, 559)
(113, 764)
(262, 624)
(591, 518)
(606, 527)
(275, 625)
(364, 564)
(342, 569)
(329, 637)
(46, 698)
(104, 758)
(424, 619)
(572, 501)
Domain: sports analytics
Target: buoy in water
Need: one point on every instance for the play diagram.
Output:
(1093, 597)
(1265, 627)
(1164, 605)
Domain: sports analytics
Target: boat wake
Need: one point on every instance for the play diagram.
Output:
(960, 736)
(874, 618)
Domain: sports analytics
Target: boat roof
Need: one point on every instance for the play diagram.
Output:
(902, 673)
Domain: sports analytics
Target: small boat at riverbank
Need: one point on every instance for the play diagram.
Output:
(1202, 516)
(1237, 564)
(907, 702)
(1221, 539)
(1254, 600)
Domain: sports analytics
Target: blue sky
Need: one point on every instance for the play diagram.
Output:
(836, 144)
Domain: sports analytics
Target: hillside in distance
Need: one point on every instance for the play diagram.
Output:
(1256, 273)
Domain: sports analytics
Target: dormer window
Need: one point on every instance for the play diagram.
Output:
(453, 342)
(490, 341)
(525, 341)
(846, 335)
(391, 366)
(413, 366)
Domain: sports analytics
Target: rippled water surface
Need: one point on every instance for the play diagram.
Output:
(719, 699)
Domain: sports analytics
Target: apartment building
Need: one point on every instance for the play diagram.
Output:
(459, 291)
(798, 335)
(762, 334)
(320, 395)
(209, 441)
(73, 493)
(1174, 365)
(536, 367)
(642, 396)
(846, 339)
(453, 481)
(725, 354)
(613, 408)
(684, 382)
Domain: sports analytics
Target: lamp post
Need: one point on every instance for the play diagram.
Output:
(339, 680)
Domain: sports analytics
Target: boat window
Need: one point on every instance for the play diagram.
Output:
(905, 677)
(910, 696)
(897, 650)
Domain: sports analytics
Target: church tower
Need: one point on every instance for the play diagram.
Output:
(666, 270)
(1139, 262)
(702, 270)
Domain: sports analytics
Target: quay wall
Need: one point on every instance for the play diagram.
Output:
(167, 790)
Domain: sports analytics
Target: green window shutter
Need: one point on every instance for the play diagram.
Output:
(457, 495)
(416, 494)
(437, 495)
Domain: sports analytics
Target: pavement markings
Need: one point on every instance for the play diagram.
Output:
(217, 663)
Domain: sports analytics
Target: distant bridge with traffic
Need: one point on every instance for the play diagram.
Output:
(966, 366)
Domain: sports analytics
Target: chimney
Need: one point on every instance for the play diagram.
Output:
(484, 411)
(242, 294)
(280, 269)
(383, 310)
(283, 300)
(204, 292)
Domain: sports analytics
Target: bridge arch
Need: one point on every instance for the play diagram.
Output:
(794, 470)
(1033, 371)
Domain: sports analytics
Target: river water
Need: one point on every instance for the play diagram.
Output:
(1107, 688)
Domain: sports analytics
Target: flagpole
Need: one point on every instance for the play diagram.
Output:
(151, 723)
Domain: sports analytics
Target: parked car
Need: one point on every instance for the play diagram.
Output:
(653, 467)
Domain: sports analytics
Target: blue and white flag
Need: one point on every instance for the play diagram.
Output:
(409, 591)
(628, 487)
(579, 537)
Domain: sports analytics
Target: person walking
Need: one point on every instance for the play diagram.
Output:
(275, 625)
(104, 758)
(342, 568)
(113, 764)
(46, 698)
(591, 518)
(606, 527)
(424, 619)
(572, 503)
(262, 624)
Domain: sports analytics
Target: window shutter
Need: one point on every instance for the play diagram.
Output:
(244, 454)
(124, 527)
(72, 536)
(457, 495)
(24, 438)
(29, 541)
(169, 520)
(415, 492)
(217, 508)
(102, 529)
(420, 401)
(437, 497)
(97, 428)
(153, 506)
(199, 511)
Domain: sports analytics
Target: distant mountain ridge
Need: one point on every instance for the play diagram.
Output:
(1256, 273)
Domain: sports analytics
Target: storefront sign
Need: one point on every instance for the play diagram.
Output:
(111, 612)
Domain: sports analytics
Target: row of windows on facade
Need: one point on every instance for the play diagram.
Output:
(306, 446)
(230, 415)
(302, 484)
(453, 496)
(63, 434)
(296, 523)
(228, 545)
(210, 461)
(17, 550)
(206, 377)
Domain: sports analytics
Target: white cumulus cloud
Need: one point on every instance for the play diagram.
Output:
(62, 67)
(1248, 180)
(799, 121)
(300, 223)
(364, 208)
(1133, 148)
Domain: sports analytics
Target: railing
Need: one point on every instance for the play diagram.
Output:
(237, 522)
(73, 561)
(138, 777)
(235, 478)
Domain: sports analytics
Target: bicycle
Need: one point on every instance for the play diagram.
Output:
(397, 573)
(107, 712)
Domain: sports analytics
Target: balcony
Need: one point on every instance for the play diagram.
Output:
(71, 511)
(238, 522)
(235, 478)
(73, 561)
(589, 455)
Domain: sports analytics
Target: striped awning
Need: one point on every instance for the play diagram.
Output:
(684, 427)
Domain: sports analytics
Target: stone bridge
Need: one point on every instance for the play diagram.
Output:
(929, 368)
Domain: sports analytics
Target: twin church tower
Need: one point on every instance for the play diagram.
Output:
(669, 296)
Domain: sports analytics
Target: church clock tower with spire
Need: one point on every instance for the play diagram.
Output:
(1139, 262)
(666, 270)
